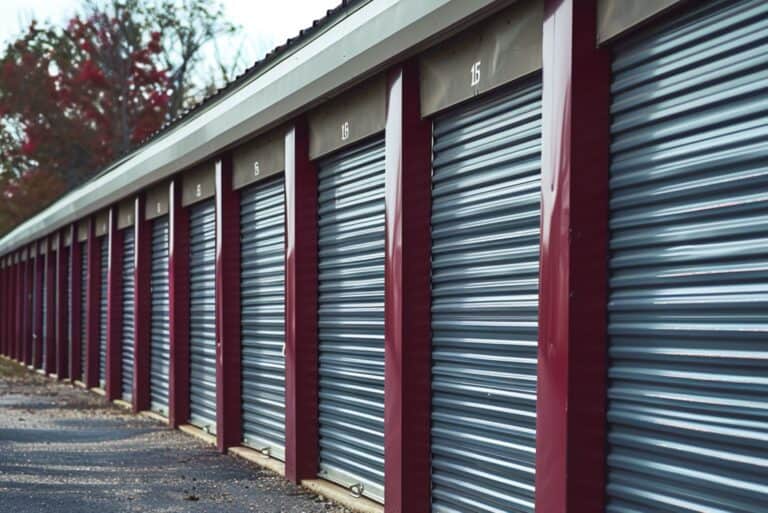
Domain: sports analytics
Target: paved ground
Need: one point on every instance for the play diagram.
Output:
(66, 450)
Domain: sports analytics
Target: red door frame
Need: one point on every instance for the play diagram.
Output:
(228, 395)
(142, 306)
(408, 195)
(62, 353)
(570, 428)
(49, 365)
(113, 369)
(178, 279)
(93, 291)
(76, 372)
(301, 410)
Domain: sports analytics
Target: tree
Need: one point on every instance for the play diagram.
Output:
(75, 98)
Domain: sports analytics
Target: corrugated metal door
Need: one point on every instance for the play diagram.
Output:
(202, 315)
(262, 300)
(160, 338)
(351, 318)
(83, 308)
(103, 271)
(70, 356)
(44, 307)
(485, 264)
(688, 374)
(128, 309)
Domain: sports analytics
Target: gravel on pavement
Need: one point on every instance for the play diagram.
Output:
(67, 450)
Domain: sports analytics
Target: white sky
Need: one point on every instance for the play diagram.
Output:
(265, 23)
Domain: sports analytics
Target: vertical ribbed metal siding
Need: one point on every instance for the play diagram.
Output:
(262, 300)
(351, 318)
(70, 356)
(44, 308)
(128, 309)
(83, 308)
(160, 340)
(485, 264)
(202, 315)
(688, 391)
(104, 272)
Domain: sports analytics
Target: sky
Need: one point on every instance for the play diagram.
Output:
(265, 23)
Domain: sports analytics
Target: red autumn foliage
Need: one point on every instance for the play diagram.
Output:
(75, 98)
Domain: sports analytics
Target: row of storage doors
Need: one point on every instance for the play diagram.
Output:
(687, 410)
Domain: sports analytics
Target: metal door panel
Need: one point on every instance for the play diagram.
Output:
(70, 356)
(83, 308)
(202, 315)
(351, 318)
(160, 340)
(104, 272)
(44, 307)
(485, 262)
(262, 300)
(128, 338)
(688, 339)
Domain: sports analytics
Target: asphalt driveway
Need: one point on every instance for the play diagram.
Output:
(66, 450)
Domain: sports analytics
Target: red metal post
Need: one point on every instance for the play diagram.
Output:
(178, 276)
(62, 347)
(301, 415)
(141, 307)
(37, 360)
(75, 370)
(407, 296)
(12, 299)
(18, 333)
(570, 427)
(93, 288)
(50, 311)
(3, 316)
(114, 378)
(228, 407)
(23, 293)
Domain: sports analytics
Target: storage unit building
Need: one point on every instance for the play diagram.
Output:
(488, 257)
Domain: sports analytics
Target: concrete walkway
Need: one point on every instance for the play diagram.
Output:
(66, 450)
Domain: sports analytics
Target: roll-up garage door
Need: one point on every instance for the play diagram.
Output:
(485, 263)
(70, 356)
(688, 339)
(83, 308)
(351, 318)
(103, 271)
(202, 315)
(262, 299)
(160, 340)
(44, 308)
(128, 309)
